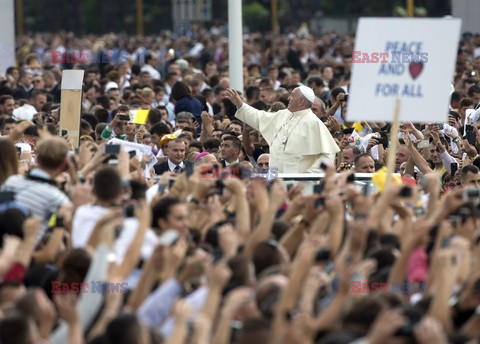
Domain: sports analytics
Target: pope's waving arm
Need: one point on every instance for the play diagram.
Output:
(255, 118)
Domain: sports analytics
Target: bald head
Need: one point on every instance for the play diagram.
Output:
(263, 161)
(208, 159)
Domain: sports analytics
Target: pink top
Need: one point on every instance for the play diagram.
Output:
(417, 267)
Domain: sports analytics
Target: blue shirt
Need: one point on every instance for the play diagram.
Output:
(192, 105)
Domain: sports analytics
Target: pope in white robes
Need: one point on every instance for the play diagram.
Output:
(298, 140)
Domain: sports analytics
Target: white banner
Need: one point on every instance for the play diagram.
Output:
(410, 59)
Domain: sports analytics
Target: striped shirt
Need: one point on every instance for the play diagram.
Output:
(43, 199)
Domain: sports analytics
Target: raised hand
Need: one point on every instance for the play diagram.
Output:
(67, 307)
(385, 325)
(218, 275)
(207, 120)
(234, 97)
(228, 240)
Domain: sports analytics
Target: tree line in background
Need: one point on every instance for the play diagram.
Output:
(93, 16)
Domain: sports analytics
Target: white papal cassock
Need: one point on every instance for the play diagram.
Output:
(297, 140)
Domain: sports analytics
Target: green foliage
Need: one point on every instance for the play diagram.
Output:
(256, 16)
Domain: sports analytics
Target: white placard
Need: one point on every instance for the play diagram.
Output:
(72, 79)
(140, 150)
(418, 65)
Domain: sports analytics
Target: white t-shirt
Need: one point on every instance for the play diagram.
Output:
(87, 216)
(155, 74)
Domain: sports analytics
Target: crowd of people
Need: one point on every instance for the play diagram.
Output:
(175, 230)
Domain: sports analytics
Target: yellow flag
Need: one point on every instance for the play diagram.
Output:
(357, 126)
(141, 117)
(379, 178)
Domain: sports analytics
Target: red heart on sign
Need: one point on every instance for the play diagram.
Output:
(415, 69)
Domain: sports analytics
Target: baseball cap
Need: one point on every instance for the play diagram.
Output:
(166, 138)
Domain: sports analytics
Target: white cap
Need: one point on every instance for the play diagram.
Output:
(110, 85)
(24, 113)
(307, 93)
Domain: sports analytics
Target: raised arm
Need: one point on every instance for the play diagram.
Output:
(207, 127)
(417, 158)
(255, 118)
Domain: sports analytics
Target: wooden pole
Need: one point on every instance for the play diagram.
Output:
(274, 7)
(410, 8)
(392, 149)
(19, 15)
(71, 104)
(140, 17)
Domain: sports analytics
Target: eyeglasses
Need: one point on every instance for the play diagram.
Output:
(36, 81)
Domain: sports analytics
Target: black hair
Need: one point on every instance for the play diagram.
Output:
(469, 168)
(154, 116)
(336, 91)
(107, 183)
(196, 144)
(161, 209)
(260, 105)
(91, 119)
(211, 143)
(180, 90)
(124, 329)
(235, 142)
(358, 157)
(256, 329)
(455, 96)
(103, 101)
(75, 266)
(4, 98)
(252, 92)
(265, 255)
(362, 313)
(160, 129)
(315, 80)
(472, 90)
(190, 130)
(101, 115)
(11, 223)
(16, 329)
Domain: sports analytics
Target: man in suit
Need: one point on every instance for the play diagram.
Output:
(230, 150)
(24, 88)
(176, 159)
(52, 86)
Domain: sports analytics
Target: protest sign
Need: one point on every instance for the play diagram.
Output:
(140, 151)
(412, 60)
